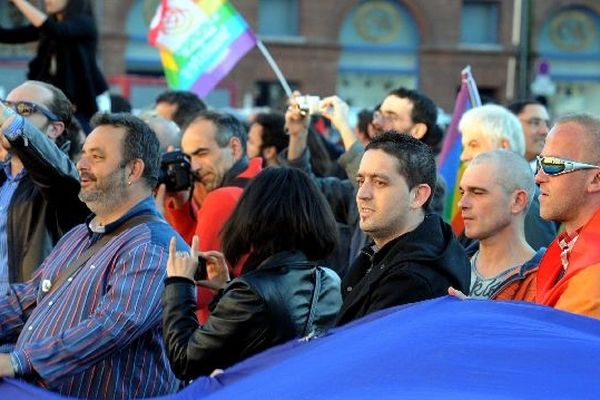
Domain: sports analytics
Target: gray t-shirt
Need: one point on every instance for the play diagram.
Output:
(484, 288)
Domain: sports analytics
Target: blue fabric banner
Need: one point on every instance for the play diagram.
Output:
(443, 348)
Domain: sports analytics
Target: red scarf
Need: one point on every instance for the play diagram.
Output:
(585, 253)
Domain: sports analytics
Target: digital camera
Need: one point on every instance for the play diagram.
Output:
(308, 105)
(175, 171)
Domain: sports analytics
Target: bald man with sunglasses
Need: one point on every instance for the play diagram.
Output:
(39, 185)
(568, 173)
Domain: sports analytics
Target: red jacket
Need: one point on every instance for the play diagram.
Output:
(578, 291)
(207, 221)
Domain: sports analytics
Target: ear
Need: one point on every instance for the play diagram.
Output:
(269, 153)
(136, 170)
(236, 148)
(419, 195)
(505, 144)
(55, 129)
(519, 201)
(594, 185)
(418, 131)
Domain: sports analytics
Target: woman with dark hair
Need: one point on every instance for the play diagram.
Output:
(284, 291)
(66, 55)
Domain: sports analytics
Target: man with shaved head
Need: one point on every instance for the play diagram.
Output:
(493, 205)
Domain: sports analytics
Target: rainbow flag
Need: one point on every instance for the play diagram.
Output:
(200, 41)
(449, 164)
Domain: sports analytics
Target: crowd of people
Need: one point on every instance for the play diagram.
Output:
(117, 283)
(104, 269)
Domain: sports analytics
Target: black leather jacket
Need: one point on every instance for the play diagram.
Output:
(44, 206)
(258, 310)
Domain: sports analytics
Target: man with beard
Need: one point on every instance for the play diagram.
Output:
(88, 322)
(216, 145)
(38, 182)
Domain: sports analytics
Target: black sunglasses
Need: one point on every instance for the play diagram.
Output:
(26, 108)
(553, 166)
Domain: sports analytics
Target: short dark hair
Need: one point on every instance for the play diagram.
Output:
(424, 111)
(416, 162)
(281, 209)
(73, 136)
(365, 117)
(517, 107)
(139, 142)
(188, 105)
(59, 105)
(273, 130)
(119, 103)
(227, 125)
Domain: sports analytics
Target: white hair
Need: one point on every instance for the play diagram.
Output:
(494, 122)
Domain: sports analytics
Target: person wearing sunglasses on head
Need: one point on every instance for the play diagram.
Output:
(66, 54)
(568, 174)
(39, 185)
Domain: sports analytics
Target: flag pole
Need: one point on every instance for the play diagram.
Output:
(274, 67)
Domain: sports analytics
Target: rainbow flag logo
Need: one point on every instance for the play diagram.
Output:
(200, 41)
(450, 166)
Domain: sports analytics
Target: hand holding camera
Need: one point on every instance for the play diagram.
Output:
(175, 171)
(309, 105)
(208, 269)
(174, 180)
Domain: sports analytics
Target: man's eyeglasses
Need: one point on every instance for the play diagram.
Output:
(536, 123)
(553, 166)
(26, 108)
(378, 115)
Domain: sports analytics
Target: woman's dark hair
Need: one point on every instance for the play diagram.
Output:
(282, 209)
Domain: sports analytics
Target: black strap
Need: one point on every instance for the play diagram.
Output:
(75, 265)
(308, 328)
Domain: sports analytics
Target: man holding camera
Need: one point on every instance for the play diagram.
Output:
(216, 145)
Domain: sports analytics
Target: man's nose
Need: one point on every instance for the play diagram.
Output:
(465, 156)
(364, 191)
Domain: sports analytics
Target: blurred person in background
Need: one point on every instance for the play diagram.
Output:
(535, 122)
(267, 137)
(179, 106)
(66, 54)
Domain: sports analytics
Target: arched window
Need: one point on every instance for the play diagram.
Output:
(569, 41)
(379, 52)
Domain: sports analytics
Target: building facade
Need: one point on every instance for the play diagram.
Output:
(360, 49)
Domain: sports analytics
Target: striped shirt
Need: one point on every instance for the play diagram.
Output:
(98, 335)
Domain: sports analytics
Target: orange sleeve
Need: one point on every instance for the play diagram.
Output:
(582, 294)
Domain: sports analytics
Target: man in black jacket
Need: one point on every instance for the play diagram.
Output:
(39, 185)
(415, 254)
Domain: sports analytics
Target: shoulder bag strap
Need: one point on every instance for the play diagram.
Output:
(74, 266)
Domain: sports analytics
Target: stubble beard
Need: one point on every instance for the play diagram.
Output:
(106, 193)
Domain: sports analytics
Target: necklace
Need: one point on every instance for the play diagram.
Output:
(476, 270)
